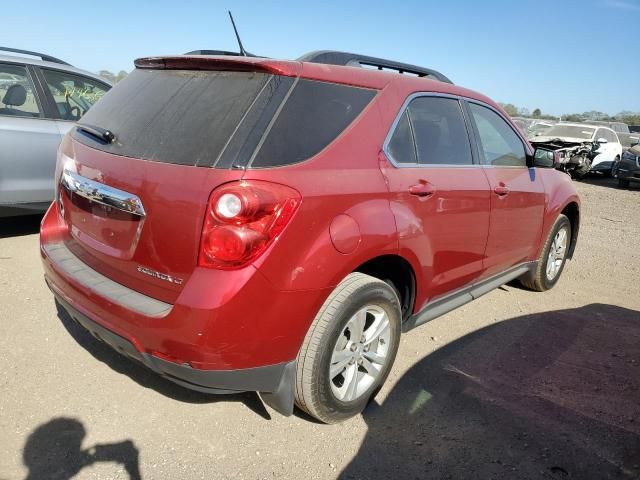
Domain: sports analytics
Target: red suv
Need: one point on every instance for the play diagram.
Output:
(248, 224)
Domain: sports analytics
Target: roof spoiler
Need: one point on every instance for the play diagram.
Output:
(220, 63)
(332, 57)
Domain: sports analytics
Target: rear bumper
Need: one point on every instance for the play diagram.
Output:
(628, 170)
(222, 323)
(20, 209)
(262, 379)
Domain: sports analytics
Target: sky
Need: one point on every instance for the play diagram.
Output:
(559, 56)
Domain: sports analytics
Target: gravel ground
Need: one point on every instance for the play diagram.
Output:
(514, 385)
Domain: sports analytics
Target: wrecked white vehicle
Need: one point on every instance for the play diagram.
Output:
(579, 148)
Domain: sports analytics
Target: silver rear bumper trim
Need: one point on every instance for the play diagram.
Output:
(82, 273)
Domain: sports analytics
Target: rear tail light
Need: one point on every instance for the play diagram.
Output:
(242, 220)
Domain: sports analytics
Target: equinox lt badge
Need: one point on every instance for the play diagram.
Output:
(161, 276)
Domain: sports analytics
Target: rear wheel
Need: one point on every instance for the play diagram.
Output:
(552, 258)
(349, 349)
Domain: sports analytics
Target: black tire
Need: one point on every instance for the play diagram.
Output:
(611, 173)
(579, 173)
(614, 167)
(314, 393)
(539, 281)
(622, 183)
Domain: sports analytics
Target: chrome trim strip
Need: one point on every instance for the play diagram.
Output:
(476, 161)
(101, 193)
(405, 104)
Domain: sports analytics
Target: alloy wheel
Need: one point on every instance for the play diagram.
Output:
(360, 353)
(557, 253)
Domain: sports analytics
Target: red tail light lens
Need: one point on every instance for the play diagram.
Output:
(243, 219)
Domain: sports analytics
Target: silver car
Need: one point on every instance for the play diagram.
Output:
(39, 102)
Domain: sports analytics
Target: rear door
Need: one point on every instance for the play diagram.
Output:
(28, 140)
(440, 198)
(517, 192)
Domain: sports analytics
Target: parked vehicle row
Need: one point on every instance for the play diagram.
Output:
(40, 100)
(627, 137)
(239, 223)
(581, 148)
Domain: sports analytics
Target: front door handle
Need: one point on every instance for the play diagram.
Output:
(422, 189)
(501, 190)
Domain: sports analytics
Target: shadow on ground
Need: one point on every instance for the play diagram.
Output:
(54, 451)
(148, 379)
(18, 226)
(544, 396)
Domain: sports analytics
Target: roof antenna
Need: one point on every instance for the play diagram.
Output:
(243, 52)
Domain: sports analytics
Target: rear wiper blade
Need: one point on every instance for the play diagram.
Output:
(103, 134)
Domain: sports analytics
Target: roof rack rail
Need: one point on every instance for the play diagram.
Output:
(46, 58)
(356, 60)
(221, 52)
(213, 52)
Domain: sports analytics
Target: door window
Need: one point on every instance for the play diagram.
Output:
(73, 94)
(439, 131)
(17, 97)
(499, 144)
(401, 146)
(431, 131)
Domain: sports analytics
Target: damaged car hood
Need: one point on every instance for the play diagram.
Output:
(559, 140)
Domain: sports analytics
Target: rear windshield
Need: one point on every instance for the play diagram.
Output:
(222, 119)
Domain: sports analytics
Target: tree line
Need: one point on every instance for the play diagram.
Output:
(628, 117)
(112, 77)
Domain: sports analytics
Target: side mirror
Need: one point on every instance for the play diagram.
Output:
(544, 158)
(601, 140)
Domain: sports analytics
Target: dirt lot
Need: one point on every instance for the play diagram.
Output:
(515, 385)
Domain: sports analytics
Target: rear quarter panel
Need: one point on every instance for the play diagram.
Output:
(343, 179)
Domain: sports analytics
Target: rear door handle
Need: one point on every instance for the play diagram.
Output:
(501, 190)
(422, 189)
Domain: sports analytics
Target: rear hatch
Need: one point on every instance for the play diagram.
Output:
(138, 170)
(135, 205)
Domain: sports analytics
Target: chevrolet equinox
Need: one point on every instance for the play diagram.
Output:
(249, 224)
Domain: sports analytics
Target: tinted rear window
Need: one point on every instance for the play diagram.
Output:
(173, 116)
(313, 116)
(222, 119)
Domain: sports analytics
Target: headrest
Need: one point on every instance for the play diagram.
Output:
(16, 96)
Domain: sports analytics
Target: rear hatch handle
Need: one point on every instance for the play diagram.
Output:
(101, 193)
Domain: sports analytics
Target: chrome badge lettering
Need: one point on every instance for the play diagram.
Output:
(160, 276)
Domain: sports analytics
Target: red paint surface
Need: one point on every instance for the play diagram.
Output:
(259, 314)
(345, 234)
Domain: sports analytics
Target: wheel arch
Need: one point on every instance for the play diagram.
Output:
(399, 273)
(572, 212)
